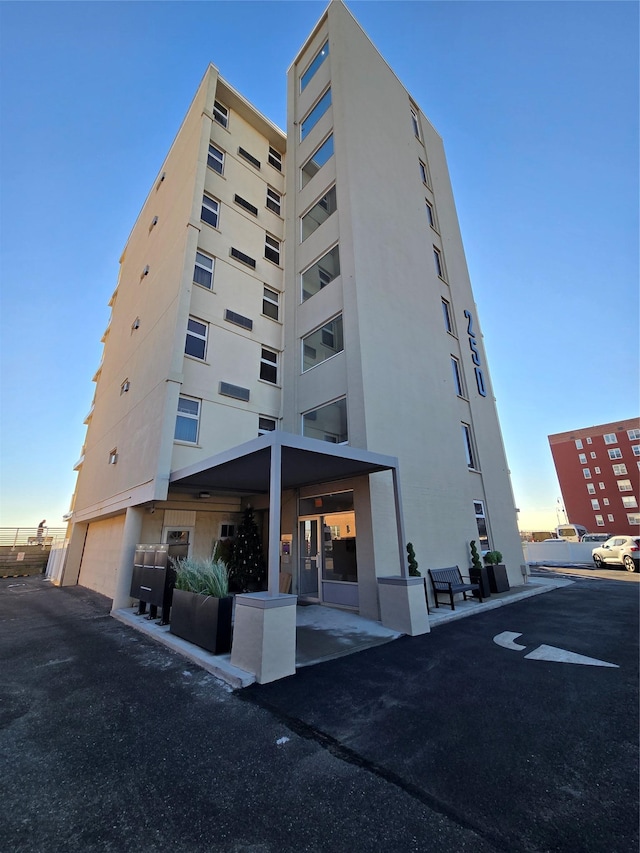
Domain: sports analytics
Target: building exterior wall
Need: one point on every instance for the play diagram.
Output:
(599, 476)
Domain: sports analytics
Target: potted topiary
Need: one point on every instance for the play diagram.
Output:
(478, 573)
(201, 609)
(497, 572)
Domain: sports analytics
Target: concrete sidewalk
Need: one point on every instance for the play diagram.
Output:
(326, 633)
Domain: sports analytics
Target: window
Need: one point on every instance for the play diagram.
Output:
(266, 425)
(591, 489)
(437, 259)
(601, 486)
(599, 521)
(125, 387)
(605, 501)
(468, 447)
(318, 214)
(610, 438)
(316, 62)
(578, 444)
(203, 270)
(592, 455)
(315, 114)
(431, 219)
(275, 159)
(624, 485)
(317, 160)
(270, 303)
(597, 470)
(414, 122)
(227, 531)
(274, 200)
(586, 472)
(481, 522)
(457, 376)
(113, 456)
(196, 343)
(615, 453)
(633, 518)
(234, 391)
(595, 504)
(446, 313)
(327, 423)
(240, 256)
(221, 113)
(635, 449)
(215, 159)
(618, 470)
(610, 517)
(246, 204)
(249, 157)
(582, 457)
(321, 273)
(238, 319)
(322, 344)
(629, 503)
(210, 211)
(272, 249)
(269, 366)
(187, 420)
(633, 434)
(589, 440)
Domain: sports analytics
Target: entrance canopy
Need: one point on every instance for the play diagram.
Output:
(305, 462)
(278, 461)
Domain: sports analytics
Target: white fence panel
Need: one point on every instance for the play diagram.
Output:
(55, 563)
(559, 552)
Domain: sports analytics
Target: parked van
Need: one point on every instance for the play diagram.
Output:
(571, 532)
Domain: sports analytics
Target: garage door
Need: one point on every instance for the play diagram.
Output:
(101, 556)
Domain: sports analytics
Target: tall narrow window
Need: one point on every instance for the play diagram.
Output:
(221, 113)
(274, 200)
(315, 114)
(210, 211)
(586, 472)
(319, 213)
(481, 522)
(269, 366)
(196, 343)
(446, 313)
(430, 214)
(468, 447)
(272, 249)
(187, 419)
(457, 376)
(203, 270)
(414, 122)
(275, 159)
(317, 160)
(423, 172)
(321, 273)
(270, 303)
(316, 62)
(437, 259)
(215, 159)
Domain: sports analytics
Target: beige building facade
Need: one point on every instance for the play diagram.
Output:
(312, 285)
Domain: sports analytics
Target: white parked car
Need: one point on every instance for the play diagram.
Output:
(619, 551)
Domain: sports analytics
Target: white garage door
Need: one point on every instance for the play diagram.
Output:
(101, 556)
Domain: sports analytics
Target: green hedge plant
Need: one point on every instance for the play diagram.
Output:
(202, 576)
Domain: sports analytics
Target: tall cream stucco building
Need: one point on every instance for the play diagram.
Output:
(294, 327)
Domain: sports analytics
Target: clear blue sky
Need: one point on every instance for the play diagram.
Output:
(538, 107)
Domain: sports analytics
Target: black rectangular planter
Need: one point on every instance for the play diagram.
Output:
(202, 620)
(481, 576)
(498, 580)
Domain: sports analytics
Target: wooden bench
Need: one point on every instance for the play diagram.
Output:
(450, 581)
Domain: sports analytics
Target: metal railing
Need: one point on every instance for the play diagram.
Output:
(17, 537)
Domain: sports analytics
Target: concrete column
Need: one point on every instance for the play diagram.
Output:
(130, 538)
(403, 606)
(264, 635)
(397, 497)
(275, 481)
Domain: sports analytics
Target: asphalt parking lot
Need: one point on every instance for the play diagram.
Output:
(447, 742)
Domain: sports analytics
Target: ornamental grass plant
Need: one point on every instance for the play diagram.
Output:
(202, 576)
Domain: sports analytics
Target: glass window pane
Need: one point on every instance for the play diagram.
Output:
(317, 160)
(322, 344)
(188, 406)
(321, 273)
(316, 114)
(319, 213)
(317, 62)
(186, 429)
(328, 423)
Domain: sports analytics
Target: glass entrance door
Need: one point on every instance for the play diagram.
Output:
(328, 569)
(310, 558)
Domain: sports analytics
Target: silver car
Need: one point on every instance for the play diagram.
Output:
(619, 551)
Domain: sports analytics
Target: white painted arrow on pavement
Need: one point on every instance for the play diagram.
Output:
(549, 653)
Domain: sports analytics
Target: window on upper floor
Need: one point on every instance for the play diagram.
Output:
(615, 453)
(196, 342)
(629, 502)
(431, 216)
(187, 420)
(266, 424)
(215, 159)
(221, 113)
(210, 212)
(635, 449)
(610, 438)
(457, 376)
(270, 303)
(582, 458)
(313, 66)
(578, 444)
(269, 366)
(591, 489)
(446, 313)
(605, 501)
(327, 423)
(595, 504)
(601, 486)
(599, 521)
(203, 270)
(586, 473)
(467, 441)
(274, 201)
(323, 343)
(275, 159)
(272, 249)
(414, 122)
(593, 455)
(321, 273)
(424, 173)
(315, 114)
(619, 470)
(624, 485)
(318, 214)
(597, 470)
(589, 441)
(633, 434)
(439, 263)
(633, 518)
(317, 160)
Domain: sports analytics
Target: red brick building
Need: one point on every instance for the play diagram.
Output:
(599, 473)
